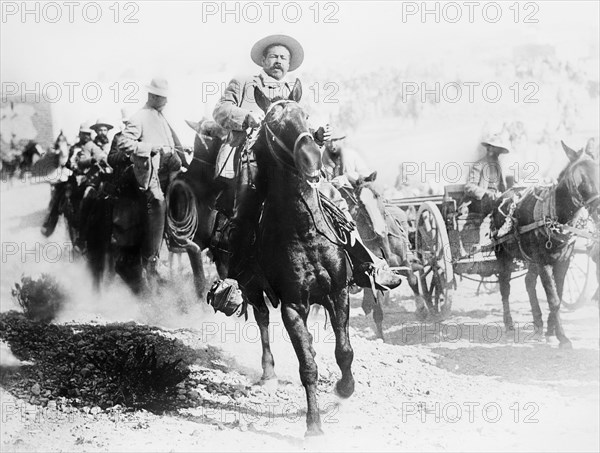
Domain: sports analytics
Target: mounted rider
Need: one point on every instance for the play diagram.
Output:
(344, 167)
(59, 189)
(238, 112)
(147, 146)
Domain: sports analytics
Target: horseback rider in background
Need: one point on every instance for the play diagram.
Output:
(146, 148)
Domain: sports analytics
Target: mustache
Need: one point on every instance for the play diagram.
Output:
(276, 66)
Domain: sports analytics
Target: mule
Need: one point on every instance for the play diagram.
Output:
(393, 247)
(540, 242)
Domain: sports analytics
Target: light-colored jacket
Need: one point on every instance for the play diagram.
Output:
(147, 129)
(485, 176)
(348, 162)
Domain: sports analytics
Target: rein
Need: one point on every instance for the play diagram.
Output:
(272, 139)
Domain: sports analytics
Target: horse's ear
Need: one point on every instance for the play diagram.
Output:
(372, 177)
(571, 153)
(261, 99)
(296, 93)
(194, 125)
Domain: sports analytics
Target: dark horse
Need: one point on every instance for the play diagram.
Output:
(393, 248)
(540, 239)
(194, 193)
(296, 248)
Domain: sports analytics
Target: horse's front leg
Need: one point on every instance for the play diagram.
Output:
(261, 314)
(294, 319)
(530, 282)
(505, 262)
(339, 311)
(554, 321)
(198, 271)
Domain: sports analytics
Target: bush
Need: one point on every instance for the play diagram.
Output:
(41, 299)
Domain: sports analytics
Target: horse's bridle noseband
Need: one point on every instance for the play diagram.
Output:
(272, 137)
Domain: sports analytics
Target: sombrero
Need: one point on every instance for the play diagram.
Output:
(498, 141)
(85, 128)
(295, 48)
(159, 87)
(101, 122)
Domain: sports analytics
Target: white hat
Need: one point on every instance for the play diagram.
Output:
(101, 122)
(295, 48)
(159, 87)
(498, 141)
(86, 127)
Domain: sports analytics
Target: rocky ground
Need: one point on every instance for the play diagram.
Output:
(463, 384)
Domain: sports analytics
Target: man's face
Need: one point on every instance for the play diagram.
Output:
(157, 102)
(85, 137)
(276, 62)
(102, 131)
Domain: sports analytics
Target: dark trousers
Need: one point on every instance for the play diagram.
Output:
(57, 194)
(136, 264)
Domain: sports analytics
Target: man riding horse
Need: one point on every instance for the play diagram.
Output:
(238, 112)
(344, 166)
(145, 152)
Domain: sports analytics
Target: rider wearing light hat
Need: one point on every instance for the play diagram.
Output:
(237, 112)
(101, 140)
(486, 181)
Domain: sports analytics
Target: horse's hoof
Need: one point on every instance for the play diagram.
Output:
(565, 345)
(314, 431)
(270, 385)
(421, 314)
(344, 391)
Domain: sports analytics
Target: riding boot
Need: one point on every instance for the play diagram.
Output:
(370, 270)
(246, 211)
(57, 193)
(154, 228)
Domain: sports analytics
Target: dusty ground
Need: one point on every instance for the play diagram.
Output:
(460, 385)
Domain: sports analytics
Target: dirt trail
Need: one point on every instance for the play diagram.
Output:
(459, 385)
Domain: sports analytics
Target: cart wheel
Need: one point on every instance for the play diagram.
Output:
(580, 282)
(433, 249)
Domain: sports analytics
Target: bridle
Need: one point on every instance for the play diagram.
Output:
(271, 137)
(576, 196)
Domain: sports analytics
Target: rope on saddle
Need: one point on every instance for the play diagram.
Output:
(181, 230)
(339, 224)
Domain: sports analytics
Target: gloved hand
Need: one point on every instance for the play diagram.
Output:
(322, 134)
(253, 119)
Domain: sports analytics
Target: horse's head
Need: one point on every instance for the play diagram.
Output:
(209, 137)
(582, 180)
(287, 134)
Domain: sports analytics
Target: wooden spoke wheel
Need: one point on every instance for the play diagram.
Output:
(433, 249)
(580, 282)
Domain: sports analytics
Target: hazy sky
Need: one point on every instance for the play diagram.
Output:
(191, 42)
(172, 37)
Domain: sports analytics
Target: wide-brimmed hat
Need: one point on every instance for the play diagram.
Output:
(498, 141)
(101, 122)
(159, 87)
(295, 48)
(86, 127)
